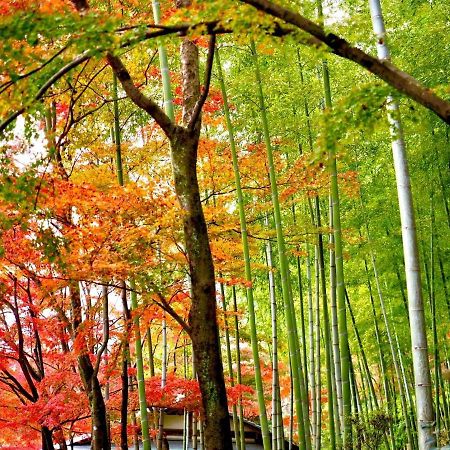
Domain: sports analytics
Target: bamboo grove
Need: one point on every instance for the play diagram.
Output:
(229, 211)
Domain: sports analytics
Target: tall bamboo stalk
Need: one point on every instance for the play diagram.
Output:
(277, 418)
(437, 366)
(164, 65)
(312, 354)
(382, 362)
(362, 352)
(230, 365)
(340, 281)
(126, 312)
(326, 327)
(337, 379)
(422, 378)
(295, 357)
(248, 271)
(390, 340)
(317, 410)
(169, 109)
(137, 332)
(238, 366)
(146, 444)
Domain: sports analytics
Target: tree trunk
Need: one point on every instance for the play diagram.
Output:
(90, 381)
(202, 315)
(47, 441)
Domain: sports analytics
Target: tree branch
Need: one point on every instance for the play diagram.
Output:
(105, 331)
(52, 80)
(208, 70)
(138, 98)
(8, 84)
(399, 80)
(164, 304)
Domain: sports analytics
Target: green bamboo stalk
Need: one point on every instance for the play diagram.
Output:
(146, 444)
(230, 364)
(238, 364)
(326, 326)
(169, 110)
(337, 378)
(302, 308)
(248, 272)
(443, 279)
(340, 281)
(276, 400)
(297, 372)
(363, 353)
(137, 331)
(163, 62)
(437, 365)
(151, 359)
(312, 358)
(317, 406)
(444, 197)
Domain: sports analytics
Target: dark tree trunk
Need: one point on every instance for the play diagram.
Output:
(47, 441)
(100, 438)
(202, 316)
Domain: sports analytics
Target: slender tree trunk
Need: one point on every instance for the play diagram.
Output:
(126, 311)
(202, 315)
(202, 320)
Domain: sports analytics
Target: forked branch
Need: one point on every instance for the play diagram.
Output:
(204, 95)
